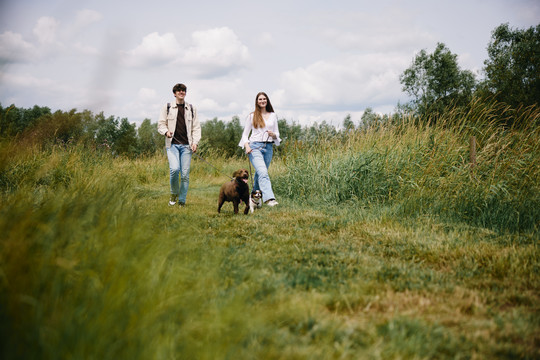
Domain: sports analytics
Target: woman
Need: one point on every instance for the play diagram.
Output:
(263, 125)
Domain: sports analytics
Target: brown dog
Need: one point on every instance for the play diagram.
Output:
(235, 190)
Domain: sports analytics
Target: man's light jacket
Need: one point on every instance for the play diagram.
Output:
(167, 122)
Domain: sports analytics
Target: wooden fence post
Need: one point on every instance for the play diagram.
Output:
(472, 150)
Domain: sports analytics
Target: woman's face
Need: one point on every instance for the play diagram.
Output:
(261, 101)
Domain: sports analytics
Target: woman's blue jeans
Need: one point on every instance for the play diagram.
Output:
(179, 161)
(260, 157)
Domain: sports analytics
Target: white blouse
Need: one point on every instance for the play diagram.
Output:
(260, 134)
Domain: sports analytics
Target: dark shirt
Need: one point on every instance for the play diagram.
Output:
(180, 133)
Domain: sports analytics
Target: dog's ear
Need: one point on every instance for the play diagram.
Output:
(236, 173)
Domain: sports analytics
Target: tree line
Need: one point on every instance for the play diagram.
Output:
(435, 83)
(42, 127)
(511, 74)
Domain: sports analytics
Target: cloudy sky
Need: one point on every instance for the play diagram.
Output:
(317, 60)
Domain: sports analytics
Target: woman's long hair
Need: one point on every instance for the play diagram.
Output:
(258, 121)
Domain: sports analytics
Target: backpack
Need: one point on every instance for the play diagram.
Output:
(190, 106)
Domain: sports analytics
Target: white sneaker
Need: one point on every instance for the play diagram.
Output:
(174, 199)
(272, 202)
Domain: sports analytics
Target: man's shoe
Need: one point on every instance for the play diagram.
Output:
(174, 200)
(271, 202)
(181, 204)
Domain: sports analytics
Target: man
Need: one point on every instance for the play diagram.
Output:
(179, 124)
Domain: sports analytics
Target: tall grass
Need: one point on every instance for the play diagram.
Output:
(426, 169)
(94, 264)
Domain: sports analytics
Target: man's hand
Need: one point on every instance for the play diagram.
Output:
(194, 148)
(169, 134)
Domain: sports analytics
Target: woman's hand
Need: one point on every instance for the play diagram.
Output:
(248, 148)
(272, 134)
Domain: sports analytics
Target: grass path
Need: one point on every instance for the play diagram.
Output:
(297, 282)
(103, 268)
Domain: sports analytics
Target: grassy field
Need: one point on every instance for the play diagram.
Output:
(385, 245)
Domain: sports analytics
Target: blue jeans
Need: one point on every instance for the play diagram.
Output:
(179, 162)
(260, 157)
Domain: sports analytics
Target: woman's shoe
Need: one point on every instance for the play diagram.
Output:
(271, 202)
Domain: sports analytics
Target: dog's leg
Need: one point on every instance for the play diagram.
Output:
(220, 204)
(251, 204)
(247, 200)
(235, 204)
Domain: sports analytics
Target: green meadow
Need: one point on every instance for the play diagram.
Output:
(388, 243)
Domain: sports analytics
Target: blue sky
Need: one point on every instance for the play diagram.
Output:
(317, 60)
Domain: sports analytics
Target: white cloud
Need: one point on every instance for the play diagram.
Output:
(212, 106)
(73, 34)
(154, 50)
(266, 39)
(395, 29)
(25, 81)
(13, 48)
(351, 81)
(49, 39)
(85, 49)
(216, 52)
(384, 40)
(30, 84)
(146, 95)
(45, 30)
(145, 106)
(208, 105)
(101, 100)
(86, 17)
(213, 52)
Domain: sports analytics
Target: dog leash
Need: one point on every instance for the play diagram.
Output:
(250, 176)
(219, 171)
(200, 157)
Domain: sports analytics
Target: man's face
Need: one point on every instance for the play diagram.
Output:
(180, 95)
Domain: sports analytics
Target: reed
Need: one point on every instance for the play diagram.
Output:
(425, 169)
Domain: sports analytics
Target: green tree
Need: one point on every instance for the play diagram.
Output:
(59, 127)
(348, 124)
(319, 132)
(370, 118)
(89, 128)
(149, 139)
(233, 134)
(106, 131)
(289, 133)
(14, 120)
(126, 142)
(513, 67)
(213, 139)
(221, 136)
(435, 81)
